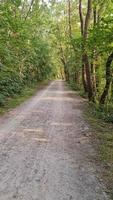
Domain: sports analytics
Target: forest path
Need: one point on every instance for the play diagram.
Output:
(44, 149)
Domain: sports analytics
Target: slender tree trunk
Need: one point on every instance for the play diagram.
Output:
(88, 77)
(108, 79)
(87, 19)
(93, 65)
(77, 77)
(93, 74)
(69, 18)
(85, 59)
(81, 17)
(94, 16)
(85, 55)
(66, 73)
(82, 33)
(63, 57)
(70, 26)
(84, 77)
(61, 73)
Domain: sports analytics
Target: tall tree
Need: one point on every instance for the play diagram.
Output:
(84, 33)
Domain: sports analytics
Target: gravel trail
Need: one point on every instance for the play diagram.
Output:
(45, 149)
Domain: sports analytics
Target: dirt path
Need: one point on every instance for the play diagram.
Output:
(44, 150)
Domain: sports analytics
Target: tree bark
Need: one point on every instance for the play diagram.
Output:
(69, 18)
(93, 74)
(93, 65)
(63, 60)
(84, 79)
(82, 33)
(85, 60)
(108, 79)
(87, 19)
(81, 17)
(88, 77)
(95, 16)
(85, 55)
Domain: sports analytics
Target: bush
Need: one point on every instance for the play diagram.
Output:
(102, 112)
(2, 100)
(10, 85)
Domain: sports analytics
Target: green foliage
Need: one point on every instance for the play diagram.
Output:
(43, 41)
(104, 112)
(25, 50)
(17, 99)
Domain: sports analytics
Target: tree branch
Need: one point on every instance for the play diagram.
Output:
(32, 1)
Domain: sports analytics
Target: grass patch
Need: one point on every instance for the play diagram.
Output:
(26, 93)
(102, 133)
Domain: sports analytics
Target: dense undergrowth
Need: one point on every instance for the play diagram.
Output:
(26, 55)
(10, 85)
(104, 112)
(25, 93)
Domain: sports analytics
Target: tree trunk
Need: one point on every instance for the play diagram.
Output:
(84, 81)
(93, 65)
(69, 18)
(66, 73)
(88, 77)
(93, 72)
(77, 77)
(81, 17)
(85, 60)
(87, 19)
(108, 79)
